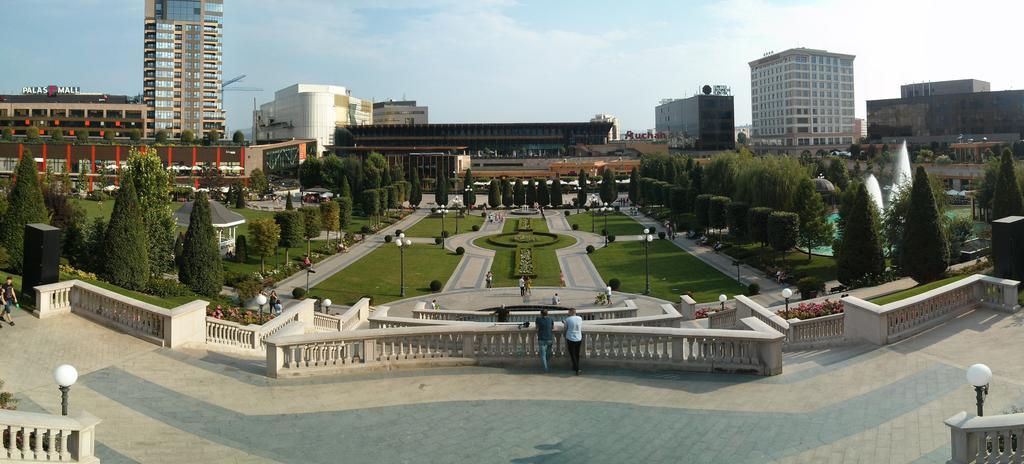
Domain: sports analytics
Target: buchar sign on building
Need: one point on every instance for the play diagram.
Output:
(51, 90)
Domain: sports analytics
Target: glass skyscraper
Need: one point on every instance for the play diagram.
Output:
(182, 72)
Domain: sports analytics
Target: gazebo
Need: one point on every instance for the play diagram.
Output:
(225, 222)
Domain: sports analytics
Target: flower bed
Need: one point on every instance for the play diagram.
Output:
(804, 311)
(524, 225)
(524, 262)
(240, 316)
(704, 312)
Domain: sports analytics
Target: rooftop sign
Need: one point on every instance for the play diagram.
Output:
(51, 90)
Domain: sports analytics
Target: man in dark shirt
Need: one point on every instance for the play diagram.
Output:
(9, 299)
(502, 314)
(545, 337)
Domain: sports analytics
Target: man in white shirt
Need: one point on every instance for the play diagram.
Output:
(574, 338)
(555, 299)
(522, 286)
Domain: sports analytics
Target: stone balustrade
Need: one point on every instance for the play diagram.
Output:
(356, 315)
(687, 307)
(724, 319)
(221, 332)
(628, 310)
(820, 330)
(35, 437)
(327, 323)
(898, 320)
(988, 439)
(172, 328)
(231, 335)
(381, 319)
(756, 350)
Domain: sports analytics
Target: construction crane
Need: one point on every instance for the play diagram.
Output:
(224, 86)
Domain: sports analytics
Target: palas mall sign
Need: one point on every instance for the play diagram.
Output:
(51, 90)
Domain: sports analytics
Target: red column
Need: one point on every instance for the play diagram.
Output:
(117, 165)
(194, 164)
(44, 158)
(170, 160)
(92, 165)
(67, 157)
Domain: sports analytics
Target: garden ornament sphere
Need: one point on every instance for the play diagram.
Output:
(65, 375)
(979, 375)
(327, 302)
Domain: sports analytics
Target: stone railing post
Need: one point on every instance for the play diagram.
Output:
(768, 351)
(743, 309)
(306, 309)
(186, 324)
(864, 321)
(687, 307)
(83, 443)
(53, 299)
(275, 358)
(468, 342)
(370, 351)
(960, 447)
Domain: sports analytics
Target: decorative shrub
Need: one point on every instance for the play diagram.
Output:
(398, 232)
(813, 310)
(438, 240)
(435, 285)
(604, 231)
(299, 293)
(164, 288)
(365, 229)
(575, 226)
(460, 251)
(247, 288)
(809, 286)
(388, 239)
(614, 284)
(661, 235)
(475, 227)
(445, 234)
(567, 212)
(753, 289)
(611, 238)
(590, 249)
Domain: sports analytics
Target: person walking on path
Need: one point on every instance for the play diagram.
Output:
(529, 286)
(574, 338)
(275, 303)
(555, 300)
(489, 278)
(608, 293)
(545, 337)
(522, 286)
(9, 298)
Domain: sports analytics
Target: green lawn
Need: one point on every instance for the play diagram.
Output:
(673, 271)
(431, 226)
(917, 290)
(795, 262)
(618, 224)
(545, 260)
(95, 209)
(169, 302)
(378, 275)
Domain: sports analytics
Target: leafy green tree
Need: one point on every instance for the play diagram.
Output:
(837, 173)
(741, 138)
(25, 205)
(135, 135)
(311, 224)
(258, 182)
(757, 221)
(416, 192)
(330, 217)
(543, 193)
(441, 190)
(556, 191)
(581, 196)
(858, 251)
(507, 199)
(109, 135)
(925, 251)
(8, 134)
(815, 230)
(265, 234)
(371, 203)
(213, 135)
(531, 192)
(700, 207)
(126, 257)
(311, 173)
(187, 137)
(201, 269)
(494, 193)
(57, 135)
(82, 135)
(634, 186)
(783, 231)
(736, 218)
(609, 191)
(161, 137)
(32, 134)
(238, 137)
(292, 230)
(1006, 198)
(152, 185)
(344, 212)
(718, 211)
(468, 195)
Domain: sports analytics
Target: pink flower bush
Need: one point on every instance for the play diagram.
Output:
(813, 310)
(241, 316)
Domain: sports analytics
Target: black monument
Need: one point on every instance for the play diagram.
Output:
(42, 257)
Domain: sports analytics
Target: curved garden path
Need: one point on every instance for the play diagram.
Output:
(475, 263)
(576, 265)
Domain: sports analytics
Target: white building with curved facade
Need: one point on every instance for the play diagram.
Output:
(310, 111)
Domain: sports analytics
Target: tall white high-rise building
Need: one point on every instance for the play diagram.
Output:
(182, 72)
(802, 99)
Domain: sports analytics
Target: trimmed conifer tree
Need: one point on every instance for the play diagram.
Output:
(757, 222)
(925, 251)
(292, 228)
(288, 202)
(531, 192)
(25, 205)
(543, 194)
(468, 195)
(783, 231)
(556, 191)
(581, 196)
(518, 193)
(815, 230)
(859, 255)
(634, 186)
(201, 269)
(311, 224)
(494, 193)
(126, 259)
(608, 189)
(441, 190)
(416, 192)
(1006, 201)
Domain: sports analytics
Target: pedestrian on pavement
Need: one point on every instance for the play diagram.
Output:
(10, 300)
(502, 314)
(555, 299)
(529, 286)
(561, 278)
(608, 292)
(545, 337)
(489, 279)
(522, 286)
(275, 303)
(574, 338)
(434, 305)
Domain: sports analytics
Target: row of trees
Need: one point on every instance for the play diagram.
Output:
(290, 228)
(56, 135)
(350, 177)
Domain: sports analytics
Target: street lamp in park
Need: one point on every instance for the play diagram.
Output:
(647, 238)
(65, 375)
(721, 299)
(442, 211)
(786, 293)
(309, 270)
(980, 376)
(605, 209)
(325, 305)
(261, 300)
(402, 243)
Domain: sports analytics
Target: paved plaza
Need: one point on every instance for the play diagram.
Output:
(853, 404)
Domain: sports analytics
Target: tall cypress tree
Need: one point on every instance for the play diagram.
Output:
(608, 189)
(506, 193)
(925, 250)
(494, 194)
(468, 195)
(201, 269)
(531, 192)
(441, 190)
(634, 186)
(288, 202)
(519, 192)
(25, 206)
(543, 195)
(860, 252)
(1006, 201)
(416, 195)
(556, 191)
(126, 258)
(814, 229)
(581, 196)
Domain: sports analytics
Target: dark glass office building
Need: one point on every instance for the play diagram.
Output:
(997, 116)
(706, 120)
(507, 140)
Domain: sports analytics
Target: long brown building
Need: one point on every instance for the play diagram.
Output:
(95, 113)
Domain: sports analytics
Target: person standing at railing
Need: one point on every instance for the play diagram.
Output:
(522, 286)
(502, 314)
(545, 337)
(574, 338)
(9, 298)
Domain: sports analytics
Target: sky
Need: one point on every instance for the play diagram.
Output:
(525, 60)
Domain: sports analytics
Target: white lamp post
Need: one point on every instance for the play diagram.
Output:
(980, 376)
(605, 209)
(786, 293)
(721, 299)
(65, 375)
(402, 244)
(442, 211)
(647, 238)
(325, 305)
(261, 300)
